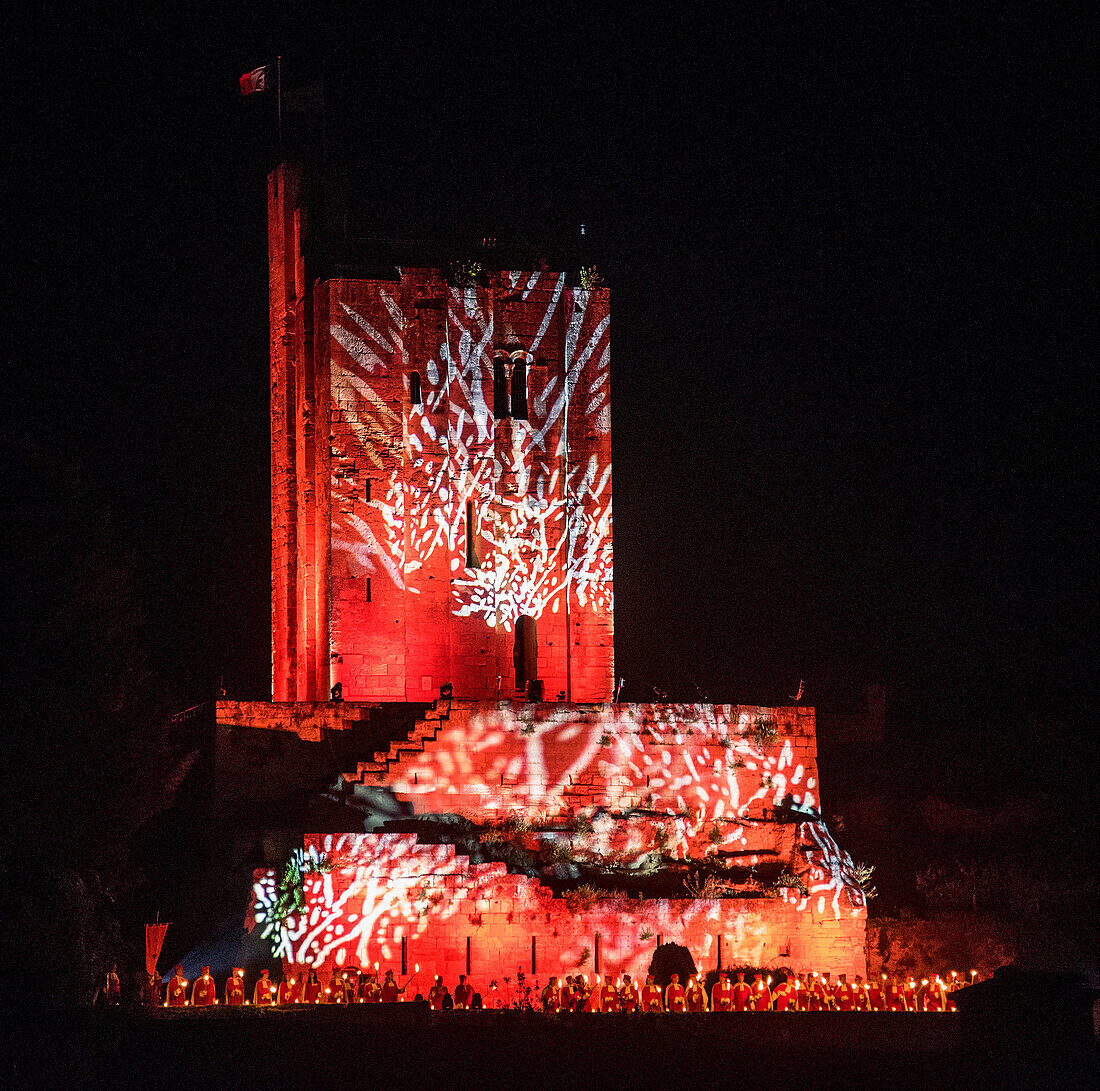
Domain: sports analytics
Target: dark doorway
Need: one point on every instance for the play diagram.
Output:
(526, 652)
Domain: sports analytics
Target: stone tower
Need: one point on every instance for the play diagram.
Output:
(441, 479)
(441, 514)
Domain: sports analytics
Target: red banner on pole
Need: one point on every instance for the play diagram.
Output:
(154, 941)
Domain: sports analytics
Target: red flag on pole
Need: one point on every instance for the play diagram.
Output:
(154, 941)
(256, 80)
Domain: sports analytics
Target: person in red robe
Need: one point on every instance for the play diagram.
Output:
(828, 992)
(909, 992)
(349, 984)
(842, 994)
(150, 995)
(674, 995)
(565, 993)
(234, 988)
(934, 997)
(288, 992)
(463, 994)
(177, 990)
(800, 1001)
(628, 995)
(651, 995)
(721, 993)
(695, 997)
(584, 993)
(876, 994)
(608, 995)
(783, 995)
(311, 988)
(335, 991)
(588, 992)
(861, 995)
(204, 992)
(895, 994)
(551, 996)
(263, 995)
(742, 993)
(390, 991)
(370, 990)
(436, 994)
(761, 994)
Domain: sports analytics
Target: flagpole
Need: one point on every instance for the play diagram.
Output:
(279, 101)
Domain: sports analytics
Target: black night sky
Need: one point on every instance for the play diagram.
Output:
(852, 308)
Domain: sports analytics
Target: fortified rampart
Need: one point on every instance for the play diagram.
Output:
(714, 799)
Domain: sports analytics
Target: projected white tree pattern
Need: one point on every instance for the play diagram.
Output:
(542, 532)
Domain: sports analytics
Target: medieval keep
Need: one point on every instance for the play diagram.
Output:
(441, 482)
(442, 564)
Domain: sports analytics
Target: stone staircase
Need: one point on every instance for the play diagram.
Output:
(424, 730)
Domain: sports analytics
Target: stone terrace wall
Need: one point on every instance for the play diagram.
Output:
(700, 773)
(389, 887)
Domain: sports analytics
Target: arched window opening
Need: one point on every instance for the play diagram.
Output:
(519, 389)
(500, 389)
(525, 654)
(414, 388)
(472, 559)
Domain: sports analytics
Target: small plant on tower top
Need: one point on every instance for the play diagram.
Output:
(590, 278)
(765, 731)
(466, 274)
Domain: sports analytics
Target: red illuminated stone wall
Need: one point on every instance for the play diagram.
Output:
(630, 790)
(388, 887)
(410, 536)
(704, 775)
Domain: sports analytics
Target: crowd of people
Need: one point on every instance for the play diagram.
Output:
(783, 991)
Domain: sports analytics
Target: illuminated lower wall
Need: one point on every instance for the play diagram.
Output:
(609, 797)
(388, 887)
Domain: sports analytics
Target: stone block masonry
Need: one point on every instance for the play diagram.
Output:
(386, 888)
(613, 787)
(441, 480)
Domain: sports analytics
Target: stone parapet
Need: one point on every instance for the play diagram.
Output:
(306, 719)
